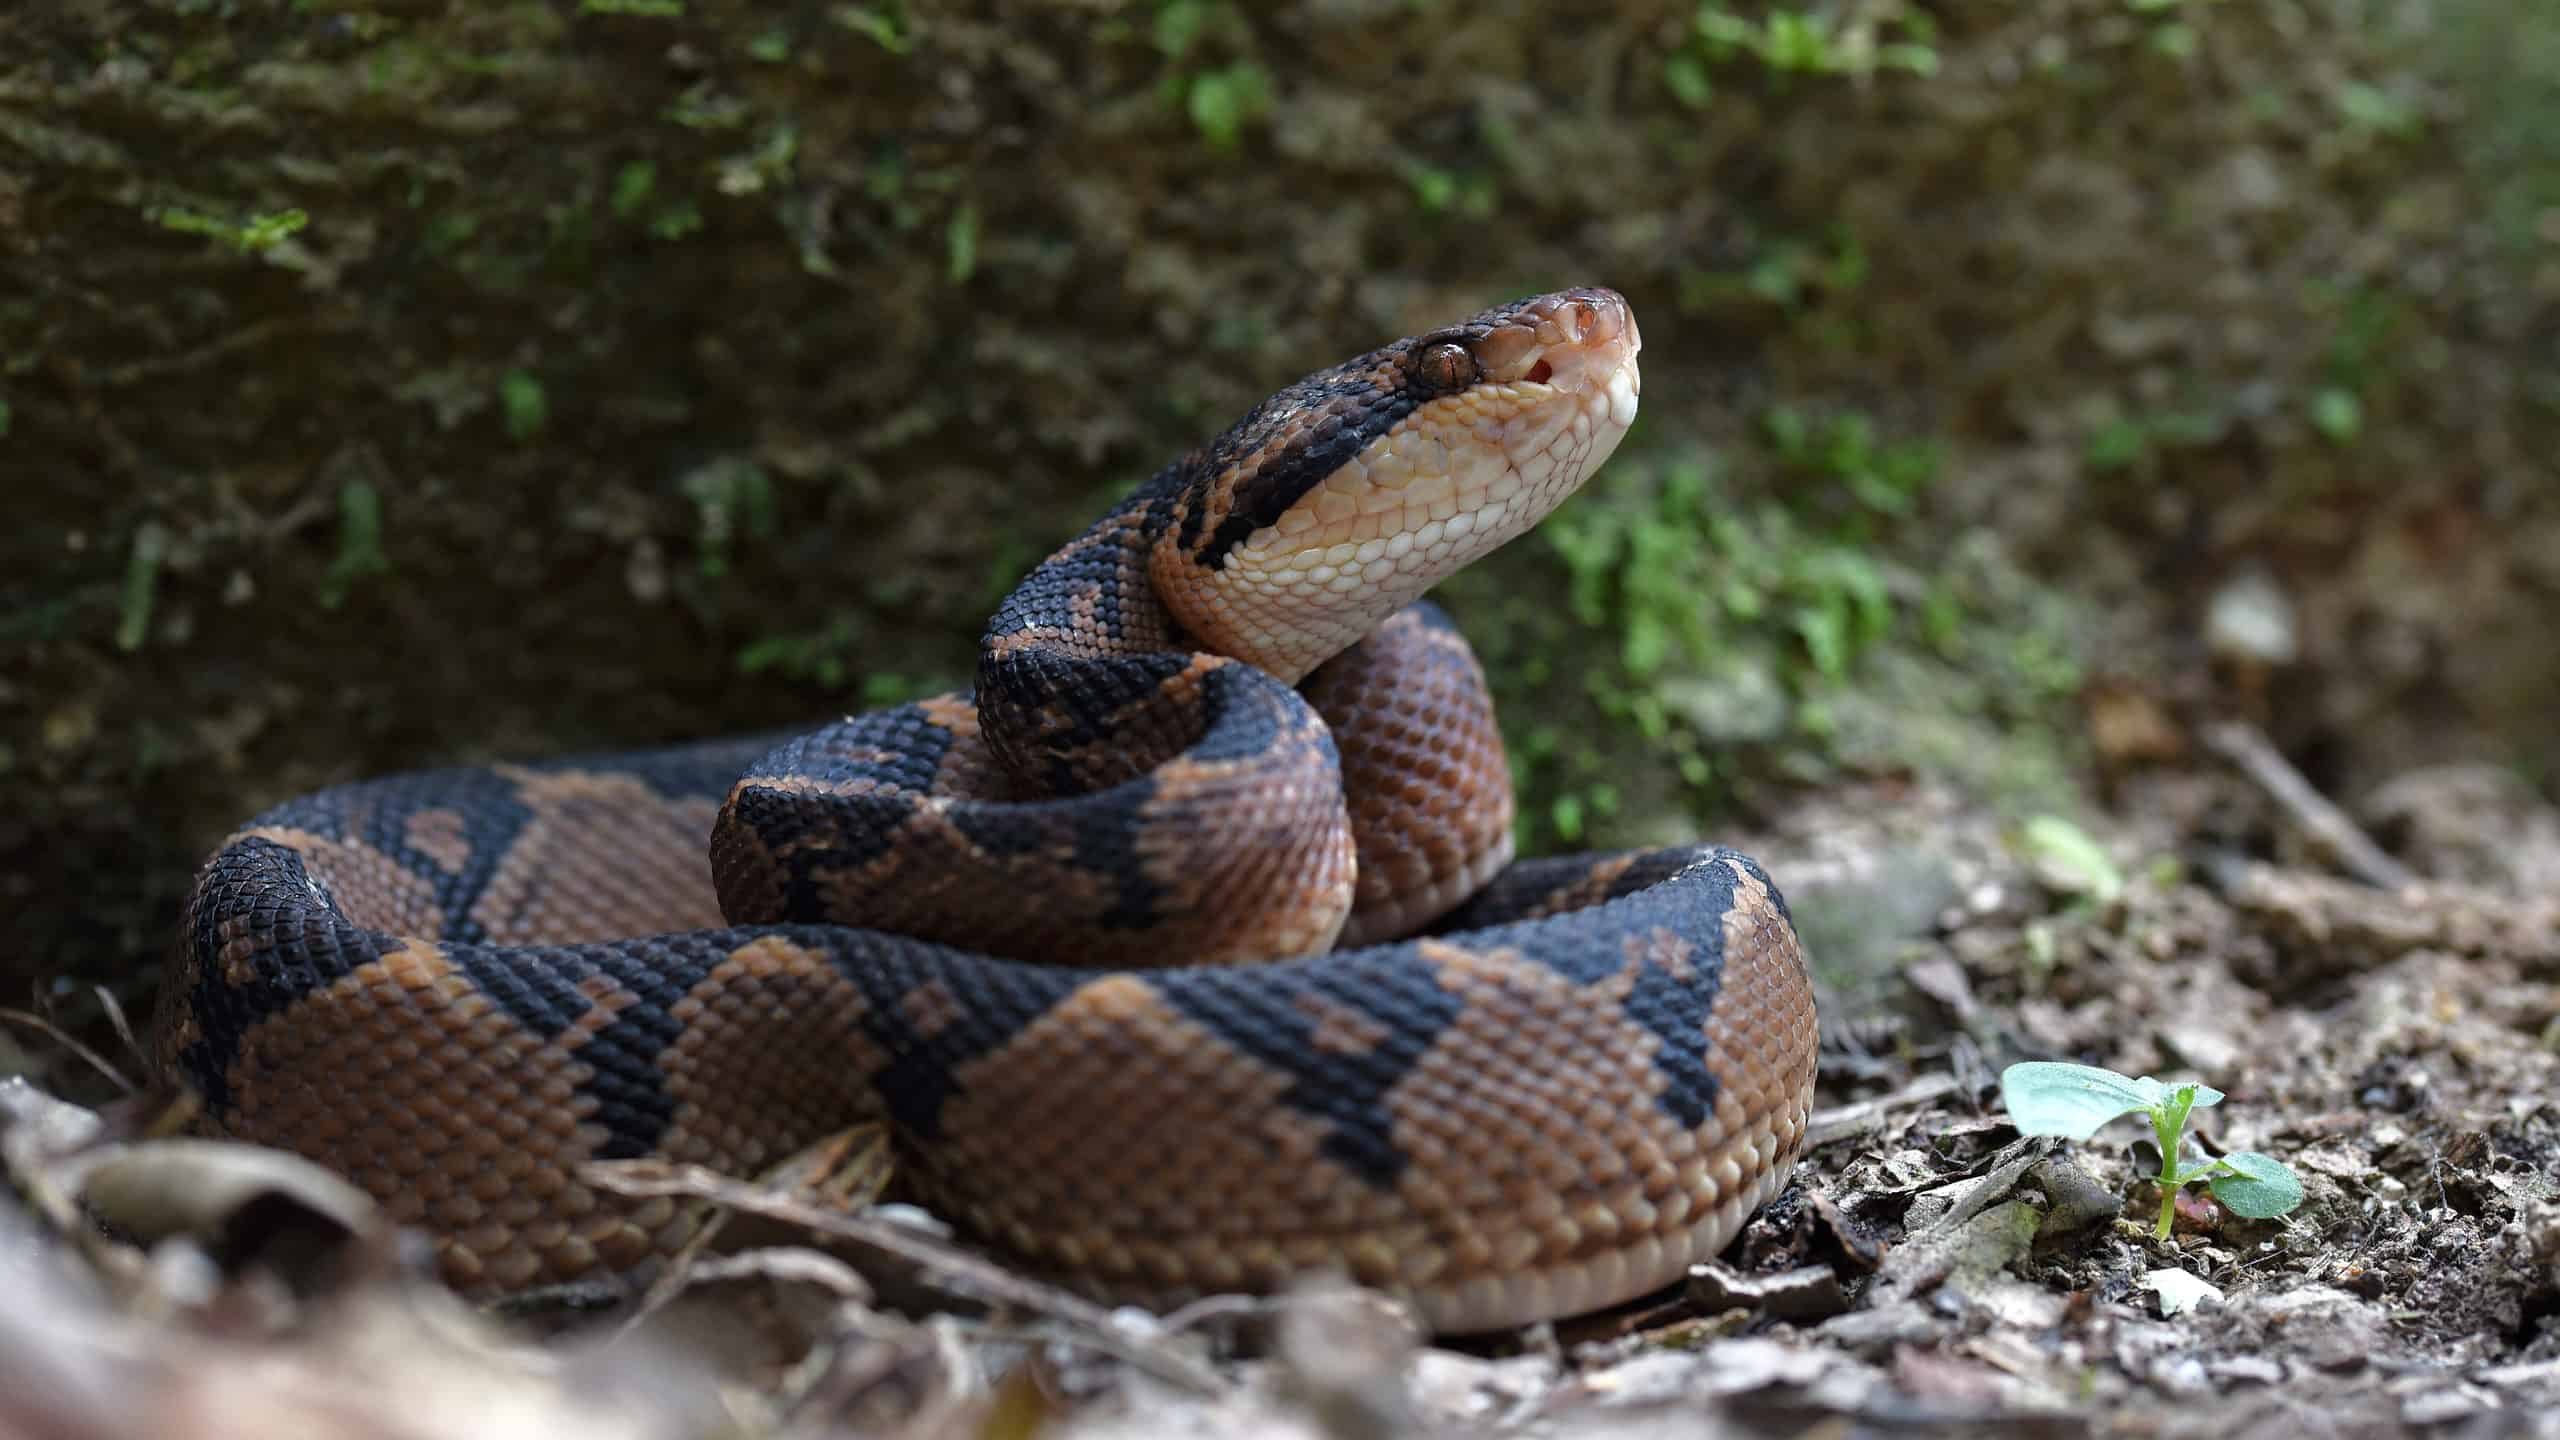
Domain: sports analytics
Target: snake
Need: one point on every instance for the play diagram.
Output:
(1184, 953)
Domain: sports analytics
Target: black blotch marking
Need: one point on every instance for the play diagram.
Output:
(1676, 1012)
(1264, 496)
(812, 834)
(1259, 1012)
(1089, 568)
(900, 746)
(299, 944)
(626, 1077)
(1246, 713)
(996, 1001)
(1591, 946)
(1751, 867)
(376, 814)
(1047, 712)
(1004, 831)
(1107, 828)
(536, 985)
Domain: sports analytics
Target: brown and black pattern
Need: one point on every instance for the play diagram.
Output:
(1422, 767)
(1015, 924)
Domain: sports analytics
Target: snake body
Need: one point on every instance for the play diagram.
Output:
(1185, 953)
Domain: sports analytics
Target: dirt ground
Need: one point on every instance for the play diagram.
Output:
(1930, 1272)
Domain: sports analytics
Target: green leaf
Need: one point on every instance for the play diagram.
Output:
(631, 187)
(2117, 443)
(2258, 1186)
(886, 26)
(962, 236)
(1685, 75)
(2377, 109)
(2337, 414)
(527, 408)
(1566, 814)
(141, 583)
(2201, 1096)
(1177, 25)
(264, 232)
(2071, 860)
(359, 543)
(2174, 40)
(2052, 1097)
(1223, 102)
(1723, 30)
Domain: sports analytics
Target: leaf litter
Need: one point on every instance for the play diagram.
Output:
(1931, 1271)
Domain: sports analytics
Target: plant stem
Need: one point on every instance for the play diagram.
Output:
(2167, 1123)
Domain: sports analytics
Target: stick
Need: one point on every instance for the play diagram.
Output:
(2249, 750)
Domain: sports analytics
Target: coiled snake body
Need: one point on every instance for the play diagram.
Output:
(1218, 727)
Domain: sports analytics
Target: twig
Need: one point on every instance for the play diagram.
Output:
(133, 1047)
(63, 1038)
(943, 1264)
(1861, 1116)
(2248, 749)
(1211, 1308)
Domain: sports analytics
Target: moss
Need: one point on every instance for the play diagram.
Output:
(360, 553)
(149, 552)
(1771, 611)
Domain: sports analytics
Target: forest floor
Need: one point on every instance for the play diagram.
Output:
(2398, 1045)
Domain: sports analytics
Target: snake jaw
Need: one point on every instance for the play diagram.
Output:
(1448, 479)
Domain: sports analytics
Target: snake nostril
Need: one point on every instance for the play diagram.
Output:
(1540, 373)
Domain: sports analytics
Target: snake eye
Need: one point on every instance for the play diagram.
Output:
(1444, 367)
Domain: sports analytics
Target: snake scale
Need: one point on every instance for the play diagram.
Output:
(1184, 954)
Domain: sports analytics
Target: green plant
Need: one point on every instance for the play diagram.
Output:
(1674, 561)
(526, 407)
(1795, 42)
(826, 657)
(141, 583)
(729, 495)
(1223, 101)
(888, 26)
(2075, 1101)
(259, 233)
(359, 543)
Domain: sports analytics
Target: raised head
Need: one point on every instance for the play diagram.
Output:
(1345, 496)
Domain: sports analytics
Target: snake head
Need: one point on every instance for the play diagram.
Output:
(1345, 496)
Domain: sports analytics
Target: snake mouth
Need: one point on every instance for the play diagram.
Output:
(1564, 342)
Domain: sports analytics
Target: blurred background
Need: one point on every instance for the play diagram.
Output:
(397, 382)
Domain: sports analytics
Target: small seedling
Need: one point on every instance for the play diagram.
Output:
(2074, 1101)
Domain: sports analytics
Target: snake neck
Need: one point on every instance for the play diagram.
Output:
(1085, 678)
(1333, 504)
